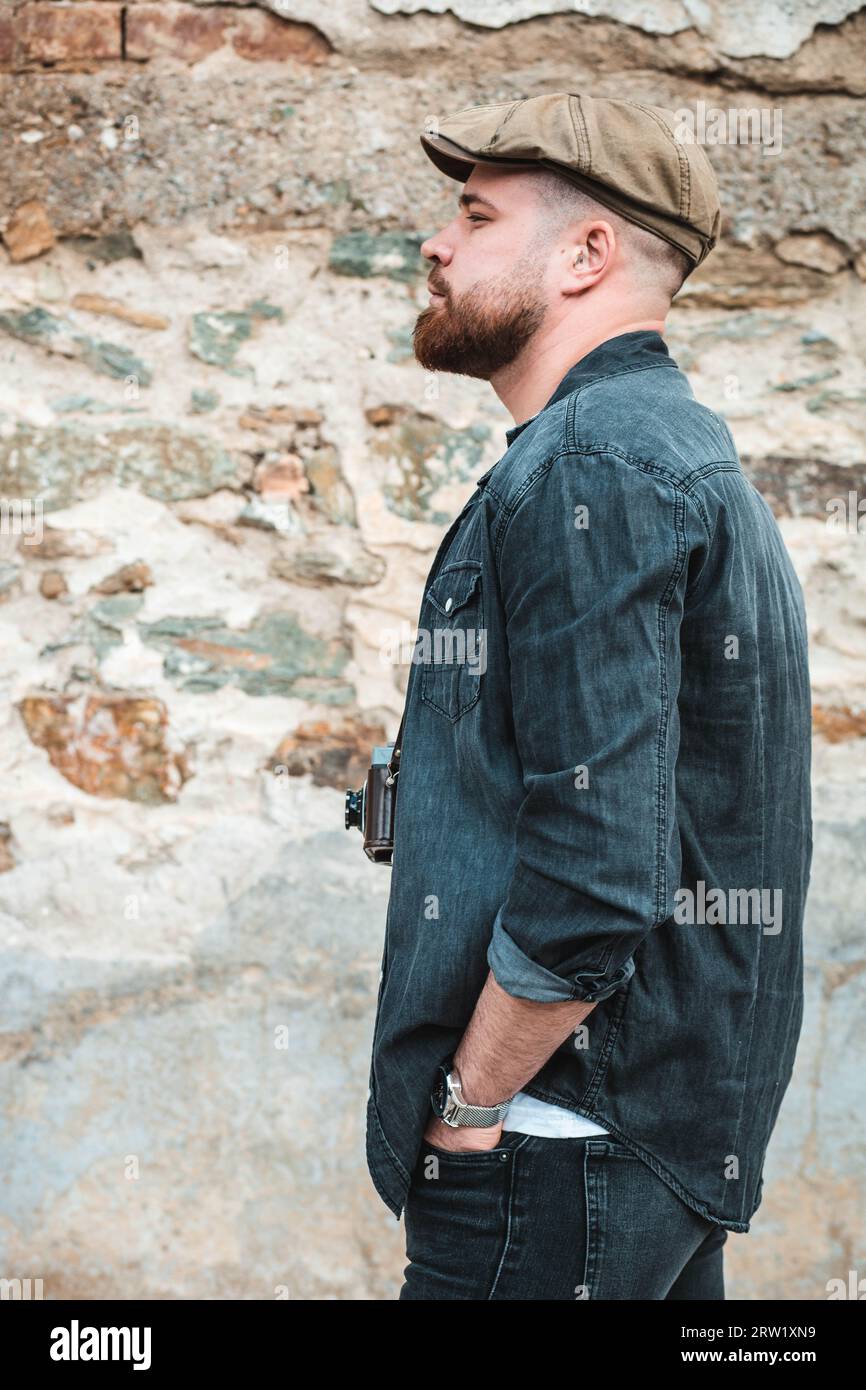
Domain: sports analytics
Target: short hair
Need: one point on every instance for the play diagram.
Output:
(562, 202)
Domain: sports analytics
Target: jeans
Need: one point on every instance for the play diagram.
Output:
(550, 1218)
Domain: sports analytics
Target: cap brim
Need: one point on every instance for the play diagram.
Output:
(457, 162)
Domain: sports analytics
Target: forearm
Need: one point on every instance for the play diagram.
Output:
(507, 1040)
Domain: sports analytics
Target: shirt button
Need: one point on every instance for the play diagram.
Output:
(448, 604)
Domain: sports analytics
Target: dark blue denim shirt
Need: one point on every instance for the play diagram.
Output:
(604, 787)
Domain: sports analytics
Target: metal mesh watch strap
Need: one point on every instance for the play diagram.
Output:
(480, 1115)
(464, 1114)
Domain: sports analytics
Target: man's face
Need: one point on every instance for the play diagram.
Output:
(489, 270)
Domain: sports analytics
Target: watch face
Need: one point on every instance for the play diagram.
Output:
(439, 1094)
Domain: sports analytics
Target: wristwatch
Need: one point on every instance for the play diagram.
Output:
(447, 1101)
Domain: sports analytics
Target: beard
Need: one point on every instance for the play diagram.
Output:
(484, 329)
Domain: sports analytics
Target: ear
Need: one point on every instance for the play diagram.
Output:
(600, 244)
(592, 255)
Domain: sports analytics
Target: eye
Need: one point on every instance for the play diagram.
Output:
(475, 217)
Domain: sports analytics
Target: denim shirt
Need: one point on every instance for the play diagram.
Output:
(604, 786)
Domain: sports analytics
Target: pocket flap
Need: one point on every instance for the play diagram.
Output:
(454, 586)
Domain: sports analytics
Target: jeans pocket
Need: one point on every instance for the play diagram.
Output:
(453, 652)
(458, 1220)
(509, 1139)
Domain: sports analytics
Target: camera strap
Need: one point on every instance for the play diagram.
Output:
(393, 767)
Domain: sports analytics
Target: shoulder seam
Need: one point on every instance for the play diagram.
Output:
(647, 466)
(571, 399)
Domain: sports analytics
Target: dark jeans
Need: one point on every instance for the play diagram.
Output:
(539, 1218)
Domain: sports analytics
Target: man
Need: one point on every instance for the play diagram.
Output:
(592, 986)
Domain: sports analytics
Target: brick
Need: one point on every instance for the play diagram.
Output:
(64, 33)
(191, 32)
(260, 36)
(7, 40)
(186, 32)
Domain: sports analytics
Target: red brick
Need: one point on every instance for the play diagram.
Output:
(187, 32)
(7, 40)
(260, 36)
(60, 33)
(191, 32)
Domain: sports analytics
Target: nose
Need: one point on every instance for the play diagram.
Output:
(436, 248)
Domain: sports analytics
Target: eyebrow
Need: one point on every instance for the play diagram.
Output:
(466, 199)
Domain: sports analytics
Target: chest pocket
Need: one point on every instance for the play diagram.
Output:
(454, 655)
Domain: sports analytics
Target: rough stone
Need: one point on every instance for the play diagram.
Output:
(802, 486)
(99, 629)
(329, 491)
(104, 250)
(331, 754)
(107, 744)
(271, 515)
(262, 417)
(839, 725)
(98, 304)
(132, 578)
(52, 584)
(395, 254)
(216, 337)
(737, 277)
(315, 561)
(67, 462)
(274, 656)
(203, 402)
(41, 329)
(28, 233)
(419, 456)
(819, 251)
(282, 479)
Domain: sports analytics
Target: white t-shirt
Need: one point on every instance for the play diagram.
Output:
(531, 1116)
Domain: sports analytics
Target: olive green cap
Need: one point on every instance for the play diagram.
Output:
(636, 159)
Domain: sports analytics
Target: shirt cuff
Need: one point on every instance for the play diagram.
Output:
(526, 979)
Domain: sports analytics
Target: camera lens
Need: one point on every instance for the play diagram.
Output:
(355, 808)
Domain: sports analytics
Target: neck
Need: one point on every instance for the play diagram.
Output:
(526, 384)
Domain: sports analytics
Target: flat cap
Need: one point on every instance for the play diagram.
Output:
(633, 158)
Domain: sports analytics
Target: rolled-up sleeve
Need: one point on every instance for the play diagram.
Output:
(593, 568)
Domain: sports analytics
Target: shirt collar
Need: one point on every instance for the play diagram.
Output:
(626, 352)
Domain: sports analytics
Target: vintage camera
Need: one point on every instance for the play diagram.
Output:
(372, 807)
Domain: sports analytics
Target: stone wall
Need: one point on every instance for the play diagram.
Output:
(223, 479)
